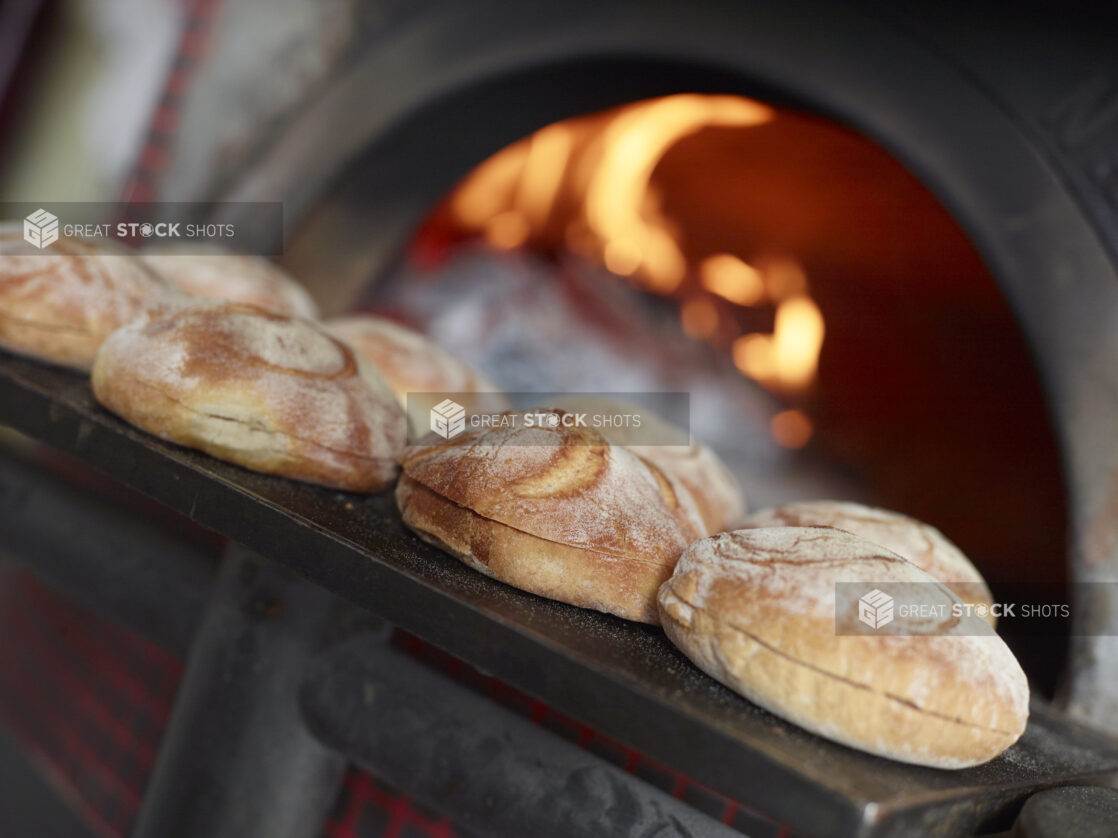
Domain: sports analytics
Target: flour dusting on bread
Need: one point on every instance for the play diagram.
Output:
(567, 485)
(273, 393)
(757, 609)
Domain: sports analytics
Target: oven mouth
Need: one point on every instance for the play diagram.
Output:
(869, 350)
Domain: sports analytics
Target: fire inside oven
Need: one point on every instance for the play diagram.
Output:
(837, 332)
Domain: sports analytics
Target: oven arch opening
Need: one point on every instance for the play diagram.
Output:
(729, 226)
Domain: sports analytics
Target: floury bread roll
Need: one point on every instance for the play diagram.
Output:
(923, 545)
(412, 363)
(210, 271)
(555, 511)
(59, 303)
(271, 393)
(756, 609)
(693, 464)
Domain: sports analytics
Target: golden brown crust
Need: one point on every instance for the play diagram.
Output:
(567, 485)
(755, 609)
(59, 304)
(705, 476)
(922, 544)
(557, 511)
(693, 464)
(624, 587)
(412, 363)
(270, 393)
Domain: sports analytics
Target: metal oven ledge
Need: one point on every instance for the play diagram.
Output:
(621, 678)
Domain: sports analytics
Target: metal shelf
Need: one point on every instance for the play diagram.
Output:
(621, 678)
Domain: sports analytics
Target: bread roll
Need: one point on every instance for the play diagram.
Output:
(756, 609)
(693, 464)
(923, 545)
(412, 363)
(557, 511)
(212, 272)
(60, 303)
(271, 393)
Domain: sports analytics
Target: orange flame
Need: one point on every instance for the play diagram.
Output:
(591, 179)
(787, 359)
(617, 206)
(612, 175)
(732, 279)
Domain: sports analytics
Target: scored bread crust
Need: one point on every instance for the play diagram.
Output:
(270, 393)
(210, 271)
(705, 475)
(701, 471)
(620, 586)
(565, 514)
(920, 543)
(755, 609)
(59, 304)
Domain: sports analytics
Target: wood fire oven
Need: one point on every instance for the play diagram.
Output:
(958, 227)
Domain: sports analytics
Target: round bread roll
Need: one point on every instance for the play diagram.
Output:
(412, 363)
(271, 393)
(923, 545)
(555, 511)
(210, 271)
(693, 464)
(58, 304)
(756, 609)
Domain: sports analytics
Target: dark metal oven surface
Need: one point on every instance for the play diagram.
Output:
(622, 678)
